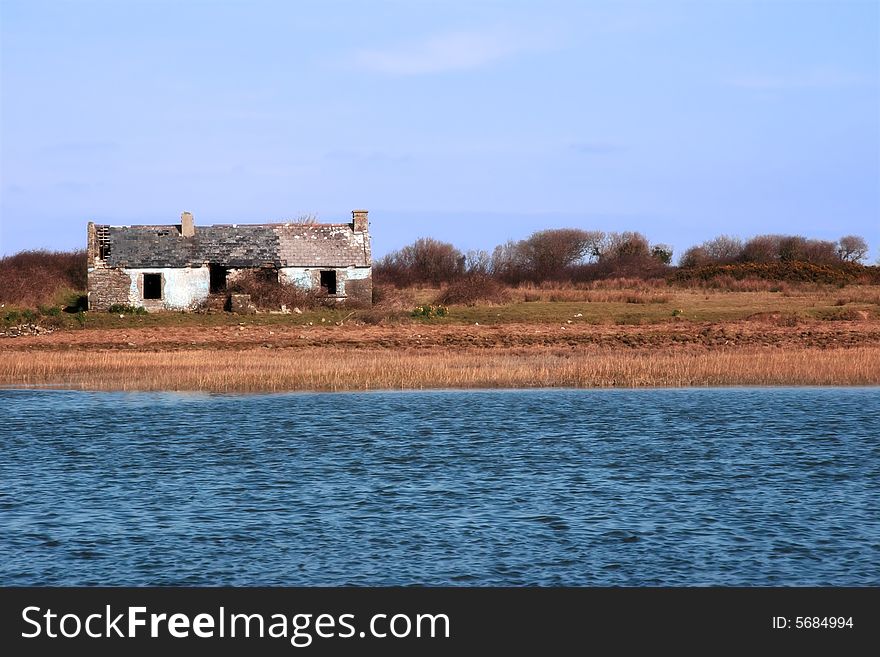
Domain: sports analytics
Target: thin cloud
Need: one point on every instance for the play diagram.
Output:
(822, 78)
(452, 51)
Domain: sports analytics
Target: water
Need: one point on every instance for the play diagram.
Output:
(557, 487)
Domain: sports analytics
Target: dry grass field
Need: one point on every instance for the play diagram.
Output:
(370, 369)
(648, 336)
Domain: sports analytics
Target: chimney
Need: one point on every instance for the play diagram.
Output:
(187, 227)
(359, 222)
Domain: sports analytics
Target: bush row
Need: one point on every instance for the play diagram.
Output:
(842, 273)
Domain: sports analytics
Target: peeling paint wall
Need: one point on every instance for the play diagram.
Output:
(309, 278)
(120, 256)
(300, 276)
(182, 289)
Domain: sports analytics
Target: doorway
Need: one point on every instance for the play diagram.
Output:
(152, 286)
(328, 282)
(218, 278)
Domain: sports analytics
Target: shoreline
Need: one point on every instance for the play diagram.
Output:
(809, 338)
(48, 387)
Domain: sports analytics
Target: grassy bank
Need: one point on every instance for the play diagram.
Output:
(564, 305)
(541, 337)
(267, 370)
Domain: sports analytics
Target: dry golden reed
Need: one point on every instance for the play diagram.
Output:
(268, 370)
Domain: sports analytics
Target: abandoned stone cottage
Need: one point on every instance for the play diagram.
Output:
(179, 266)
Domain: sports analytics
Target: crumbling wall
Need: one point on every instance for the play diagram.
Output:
(107, 287)
(353, 284)
(322, 245)
(182, 288)
(359, 287)
(119, 256)
(305, 277)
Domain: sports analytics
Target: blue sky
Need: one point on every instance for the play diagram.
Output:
(473, 122)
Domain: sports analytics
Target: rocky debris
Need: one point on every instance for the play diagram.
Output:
(24, 329)
(241, 304)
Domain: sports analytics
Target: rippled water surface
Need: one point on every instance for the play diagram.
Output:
(550, 487)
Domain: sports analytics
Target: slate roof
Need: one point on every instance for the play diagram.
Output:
(243, 245)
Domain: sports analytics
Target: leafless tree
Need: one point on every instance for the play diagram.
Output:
(852, 248)
(477, 261)
(425, 261)
(627, 245)
(508, 262)
(821, 252)
(695, 256)
(762, 248)
(723, 249)
(548, 253)
(662, 253)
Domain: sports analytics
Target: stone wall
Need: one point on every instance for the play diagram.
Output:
(298, 251)
(108, 287)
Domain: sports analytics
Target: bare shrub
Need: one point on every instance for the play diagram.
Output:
(389, 297)
(627, 245)
(548, 253)
(33, 278)
(425, 261)
(508, 263)
(474, 289)
(724, 248)
(268, 293)
(695, 256)
(820, 252)
(797, 272)
(761, 249)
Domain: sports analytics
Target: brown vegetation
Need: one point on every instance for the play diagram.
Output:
(267, 293)
(474, 289)
(741, 323)
(769, 339)
(714, 275)
(765, 249)
(566, 259)
(426, 261)
(266, 370)
(34, 278)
